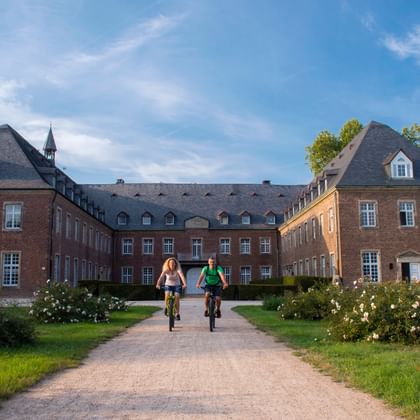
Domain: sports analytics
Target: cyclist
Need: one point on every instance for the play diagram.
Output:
(174, 280)
(214, 280)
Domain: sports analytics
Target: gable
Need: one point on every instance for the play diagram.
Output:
(197, 222)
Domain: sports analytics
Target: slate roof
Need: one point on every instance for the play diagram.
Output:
(17, 159)
(188, 200)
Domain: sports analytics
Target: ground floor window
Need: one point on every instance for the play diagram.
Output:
(11, 268)
(228, 274)
(370, 266)
(245, 275)
(126, 274)
(265, 272)
(147, 275)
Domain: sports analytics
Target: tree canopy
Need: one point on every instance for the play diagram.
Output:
(412, 133)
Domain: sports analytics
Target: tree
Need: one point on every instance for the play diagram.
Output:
(327, 145)
(412, 134)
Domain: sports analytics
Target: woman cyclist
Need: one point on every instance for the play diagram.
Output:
(174, 280)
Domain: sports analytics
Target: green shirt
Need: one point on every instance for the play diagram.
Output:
(211, 276)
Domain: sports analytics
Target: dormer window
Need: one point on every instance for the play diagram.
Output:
(169, 219)
(122, 219)
(401, 166)
(223, 218)
(246, 218)
(270, 218)
(146, 219)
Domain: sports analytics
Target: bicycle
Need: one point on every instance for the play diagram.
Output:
(171, 309)
(211, 308)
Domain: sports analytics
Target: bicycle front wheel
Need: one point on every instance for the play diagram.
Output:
(171, 314)
(212, 317)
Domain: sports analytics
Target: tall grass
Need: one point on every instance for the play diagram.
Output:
(387, 371)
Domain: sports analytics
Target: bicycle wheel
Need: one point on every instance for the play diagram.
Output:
(212, 319)
(171, 313)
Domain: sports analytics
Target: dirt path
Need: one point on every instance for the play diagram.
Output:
(237, 372)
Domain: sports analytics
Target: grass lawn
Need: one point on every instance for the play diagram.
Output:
(388, 371)
(59, 346)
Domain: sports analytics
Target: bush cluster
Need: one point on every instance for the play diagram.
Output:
(15, 330)
(58, 302)
(386, 312)
(272, 302)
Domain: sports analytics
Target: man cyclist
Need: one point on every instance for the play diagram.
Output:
(214, 281)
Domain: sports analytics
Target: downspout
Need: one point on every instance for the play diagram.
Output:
(50, 245)
(337, 237)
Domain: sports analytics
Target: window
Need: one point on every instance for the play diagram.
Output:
(245, 275)
(11, 269)
(127, 246)
(228, 274)
(368, 214)
(245, 246)
(147, 275)
(168, 245)
(146, 219)
(313, 228)
(97, 240)
(401, 166)
(196, 248)
(225, 246)
(170, 219)
(295, 267)
(246, 218)
(314, 267)
(270, 219)
(148, 246)
(126, 274)
(306, 232)
(265, 272)
(332, 264)
(84, 233)
(57, 267)
(122, 219)
(307, 266)
(58, 220)
(91, 237)
(321, 225)
(322, 265)
(90, 271)
(406, 213)
(76, 229)
(13, 216)
(300, 235)
(67, 268)
(83, 269)
(330, 220)
(75, 271)
(265, 246)
(224, 219)
(370, 266)
(300, 267)
(68, 226)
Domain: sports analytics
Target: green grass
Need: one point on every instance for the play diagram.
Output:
(387, 371)
(59, 346)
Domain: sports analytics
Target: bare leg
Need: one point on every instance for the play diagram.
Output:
(177, 305)
(218, 302)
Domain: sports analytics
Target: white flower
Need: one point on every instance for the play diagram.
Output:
(413, 328)
(375, 336)
(333, 311)
(373, 306)
(415, 305)
(414, 315)
(393, 306)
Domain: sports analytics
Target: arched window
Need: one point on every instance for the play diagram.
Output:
(169, 218)
(146, 218)
(122, 219)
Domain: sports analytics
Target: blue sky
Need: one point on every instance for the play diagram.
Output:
(207, 91)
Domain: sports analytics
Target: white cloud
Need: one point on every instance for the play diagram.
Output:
(404, 48)
(368, 21)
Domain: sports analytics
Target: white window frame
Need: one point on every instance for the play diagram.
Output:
(245, 274)
(58, 220)
(228, 274)
(401, 166)
(370, 267)
(122, 219)
(224, 219)
(225, 246)
(333, 269)
(330, 220)
(270, 219)
(265, 245)
(68, 226)
(407, 208)
(146, 219)
(367, 211)
(148, 246)
(12, 216)
(246, 219)
(322, 266)
(127, 246)
(10, 268)
(67, 268)
(196, 248)
(147, 275)
(314, 266)
(76, 229)
(127, 274)
(169, 219)
(57, 267)
(168, 246)
(75, 271)
(313, 222)
(265, 272)
(245, 246)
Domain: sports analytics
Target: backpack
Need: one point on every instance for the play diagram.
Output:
(218, 276)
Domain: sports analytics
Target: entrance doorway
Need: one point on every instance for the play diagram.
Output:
(410, 272)
(192, 276)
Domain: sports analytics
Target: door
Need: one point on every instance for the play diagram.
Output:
(192, 276)
(414, 272)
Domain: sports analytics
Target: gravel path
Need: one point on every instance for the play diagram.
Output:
(237, 372)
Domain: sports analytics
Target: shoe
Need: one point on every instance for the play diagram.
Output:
(218, 313)
(206, 313)
(178, 317)
(166, 311)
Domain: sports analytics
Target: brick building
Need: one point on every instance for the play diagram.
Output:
(358, 218)
(54, 228)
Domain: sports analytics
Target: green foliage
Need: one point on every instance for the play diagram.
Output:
(123, 291)
(272, 302)
(412, 133)
(384, 312)
(59, 302)
(15, 329)
(327, 145)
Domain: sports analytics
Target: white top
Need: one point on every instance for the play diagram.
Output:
(171, 278)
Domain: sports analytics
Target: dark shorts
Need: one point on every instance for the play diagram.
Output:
(217, 290)
(177, 289)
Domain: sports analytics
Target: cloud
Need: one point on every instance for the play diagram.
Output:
(368, 21)
(407, 47)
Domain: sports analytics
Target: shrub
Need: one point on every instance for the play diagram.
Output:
(58, 302)
(272, 302)
(15, 330)
(380, 312)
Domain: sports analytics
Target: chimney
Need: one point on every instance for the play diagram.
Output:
(120, 181)
(266, 182)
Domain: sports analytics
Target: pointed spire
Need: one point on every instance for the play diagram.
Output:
(50, 148)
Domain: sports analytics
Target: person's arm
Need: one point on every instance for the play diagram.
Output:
(182, 277)
(200, 279)
(160, 279)
(222, 277)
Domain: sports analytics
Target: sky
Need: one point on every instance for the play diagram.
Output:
(203, 91)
